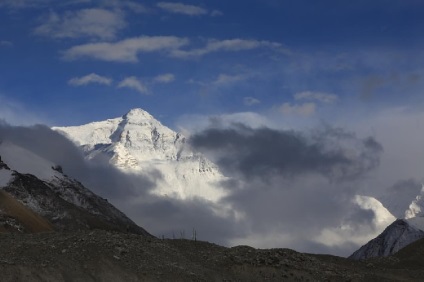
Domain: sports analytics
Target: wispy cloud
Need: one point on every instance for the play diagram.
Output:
(164, 78)
(5, 43)
(216, 13)
(14, 112)
(92, 23)
(317, 96)
(132, 6)
(250, 101)
(19, 4)
(126, 50)
(134, 83)
(229, 45)
(180, 8)
(225, 79)
(89, 79)
(305, 110)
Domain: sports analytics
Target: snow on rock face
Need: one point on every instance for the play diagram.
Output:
(63, 201)
(138, 142)
(395, 237)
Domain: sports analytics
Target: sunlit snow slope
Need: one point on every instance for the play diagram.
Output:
(138, 142)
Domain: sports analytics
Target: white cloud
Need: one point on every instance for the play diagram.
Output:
(19, 4)
(318, 96)
(225, 79)
(305, 110)
(92, 23)
(229, 45)
(133, 83)
(5, 43)
(164, 78)
(126, 50)
(124, 4)
(90, 78)
(216, 13)
(250, 101)
(180, 8)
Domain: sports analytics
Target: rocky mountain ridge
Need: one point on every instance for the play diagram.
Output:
(395, 237)
(57, 203)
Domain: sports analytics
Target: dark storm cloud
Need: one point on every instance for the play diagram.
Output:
(266, 152)
(99, 176)
(399, 196)
(294, 183)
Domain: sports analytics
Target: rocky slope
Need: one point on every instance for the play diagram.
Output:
(396, 236)
(30, 204)
(138, 142)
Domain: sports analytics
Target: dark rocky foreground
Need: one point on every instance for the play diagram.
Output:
(113, 256)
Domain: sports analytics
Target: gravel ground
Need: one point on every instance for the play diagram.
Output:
(112, 256)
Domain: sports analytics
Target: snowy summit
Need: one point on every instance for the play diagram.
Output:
(138, 143)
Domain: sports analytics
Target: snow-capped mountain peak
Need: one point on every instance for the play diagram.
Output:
(137, 143)
(137, 115)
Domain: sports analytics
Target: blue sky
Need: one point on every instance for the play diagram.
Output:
(75, 61)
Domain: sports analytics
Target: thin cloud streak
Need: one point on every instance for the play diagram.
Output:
(228, 45)
(164, 78)
(134, 83)
(316, 96)
(90, 79)
(126, 50)
(180, 8)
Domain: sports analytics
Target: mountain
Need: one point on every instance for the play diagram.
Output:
(137, 142)
(35, 196)
(404, 231)
(396, 236)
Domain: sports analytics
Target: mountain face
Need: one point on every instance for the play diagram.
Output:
(137, 142)
(396, 236)
(404, 231)
(48, 200)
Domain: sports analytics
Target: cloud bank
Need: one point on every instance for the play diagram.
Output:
(286, 188)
